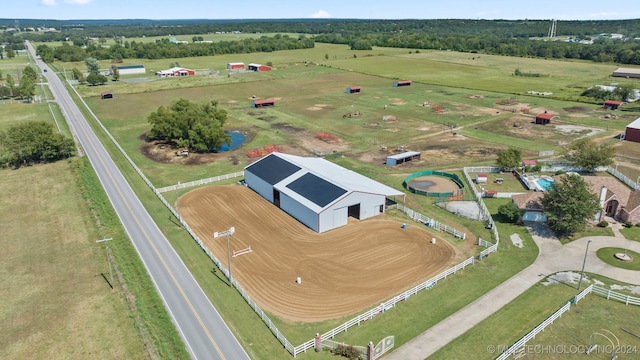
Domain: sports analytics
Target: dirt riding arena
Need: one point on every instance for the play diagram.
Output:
(434, 184)
(343, 271)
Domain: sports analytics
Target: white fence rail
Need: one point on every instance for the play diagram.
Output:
(200, 182)
(611, 295)
(416, 216)
(483, 208)
(387, 305)
(632, 184)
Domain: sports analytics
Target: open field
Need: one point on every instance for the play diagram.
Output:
(311, 99)
(343, 271)
(592, 314)
(56, 302)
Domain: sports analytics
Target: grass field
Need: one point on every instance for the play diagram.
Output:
(56, 303)
(312, 98)
(575, 327)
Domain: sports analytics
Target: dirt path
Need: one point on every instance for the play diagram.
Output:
(343, 271)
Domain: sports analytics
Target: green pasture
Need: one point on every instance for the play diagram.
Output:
(57, 303)
(311, 99)
(574, 327)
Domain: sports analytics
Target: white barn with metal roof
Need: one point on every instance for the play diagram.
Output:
(317, 192)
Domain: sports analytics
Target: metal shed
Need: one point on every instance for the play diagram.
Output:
(402, 158)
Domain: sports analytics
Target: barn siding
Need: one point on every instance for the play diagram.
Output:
(258, 185)
(299, 212)
(631, 134)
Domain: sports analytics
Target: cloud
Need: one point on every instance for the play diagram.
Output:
(77, 2)
(49, 2)
(321, 14)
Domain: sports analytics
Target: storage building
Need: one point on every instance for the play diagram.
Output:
(235, 66)
(632, 132)
(398, 159)
(317, 192)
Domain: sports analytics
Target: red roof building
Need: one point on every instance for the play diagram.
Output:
(529, 163)
(235, 66)
(611, 104)
(263, 102)
(354, 89)
(545, 118)
(632, 132)
(402, 83)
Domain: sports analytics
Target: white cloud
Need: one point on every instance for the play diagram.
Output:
(321, 14)
(49, 2)
(78, 2)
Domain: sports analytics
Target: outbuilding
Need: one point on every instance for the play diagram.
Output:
(129, 70)
(398, 159)
(611, 104)
(481, 178)
(627, 73)
(632, 132)
(526, 163)
(317, 192)
(235, 66)
(258, 67)
(176, 71)
(544, 119)
(262, 103)
(354, 89)
(401, 83)
(106, 95)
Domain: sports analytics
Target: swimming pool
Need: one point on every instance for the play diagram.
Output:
(544, 184)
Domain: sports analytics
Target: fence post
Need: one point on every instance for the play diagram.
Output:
(317, 344)
(370, 351)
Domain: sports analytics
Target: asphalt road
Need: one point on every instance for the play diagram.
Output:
(203, 331)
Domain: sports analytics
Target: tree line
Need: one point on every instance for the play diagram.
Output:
(33, 142)
(164, 48)
(24, 88)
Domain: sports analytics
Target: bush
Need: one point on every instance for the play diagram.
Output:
(603, 224)
(510, 212)
(628, 224)
(560, 172)
(347, 351)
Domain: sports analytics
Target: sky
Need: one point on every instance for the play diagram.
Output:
(337, 9)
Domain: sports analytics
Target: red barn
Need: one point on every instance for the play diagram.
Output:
(106, 95)
(235, 66)
(611, 105)
(176, 71)
(263, 103)
(258, 67)
(545, 118)
(632, 132)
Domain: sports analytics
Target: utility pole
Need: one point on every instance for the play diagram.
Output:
(228, 234)
(583, 263)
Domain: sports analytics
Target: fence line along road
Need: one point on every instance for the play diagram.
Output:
(203, 331)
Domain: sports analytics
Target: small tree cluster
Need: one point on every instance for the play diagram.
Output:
(347, 351)
(33, 142)
(587, 154)
(509, 159)
(510, 212)
(194, 126)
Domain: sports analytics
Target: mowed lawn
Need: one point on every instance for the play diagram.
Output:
(55, 303)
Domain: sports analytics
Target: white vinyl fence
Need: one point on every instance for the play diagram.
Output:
(432, 223)
(612, 295)
(201, 182)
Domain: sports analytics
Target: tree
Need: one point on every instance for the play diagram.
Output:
(190, 125)
(10, 52)
(78, 75)
(10, 84)
(510, 212)
(95, 79)
(30, 73)
(115, 72)
(585, 153)
(92, 66)
(624, 92)
(509, 159)
(27, 89)
(32, 142)
(569, 205)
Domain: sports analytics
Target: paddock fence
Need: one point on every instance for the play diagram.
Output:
(200, 182)
(432, 223)
(592, 289)
(483, 208)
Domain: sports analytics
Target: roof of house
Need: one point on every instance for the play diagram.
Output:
(613, 185)
(314, 182)
(635, 124)
(529, 200)
(633, 202)
(546, 116)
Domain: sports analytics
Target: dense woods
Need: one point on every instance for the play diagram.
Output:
(522, 38)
